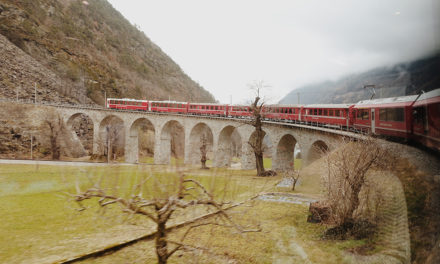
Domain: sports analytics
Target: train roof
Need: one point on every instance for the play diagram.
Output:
(328, 105)
(126, 99)
(430, 94)
(208, 104)
(174, 102)
(390, 100)
(285, 105)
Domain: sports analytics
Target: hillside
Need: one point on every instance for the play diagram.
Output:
(401, 79)
(77, 49)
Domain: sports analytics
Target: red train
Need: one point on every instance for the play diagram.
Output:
(415, 117)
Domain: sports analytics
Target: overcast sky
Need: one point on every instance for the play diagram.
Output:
(225, 45)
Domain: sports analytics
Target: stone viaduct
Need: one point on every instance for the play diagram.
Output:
(283, 137)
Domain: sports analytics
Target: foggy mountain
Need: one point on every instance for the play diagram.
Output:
(400, 79)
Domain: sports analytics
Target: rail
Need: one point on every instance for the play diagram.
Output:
(344, 131)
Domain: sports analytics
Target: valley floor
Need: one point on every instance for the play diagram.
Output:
(42, 223)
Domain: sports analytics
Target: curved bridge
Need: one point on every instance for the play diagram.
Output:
(218, 131)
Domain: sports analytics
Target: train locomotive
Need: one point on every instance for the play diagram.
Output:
(411, 118)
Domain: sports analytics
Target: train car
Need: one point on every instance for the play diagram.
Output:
(168, 107)
(239, 111)
(283, 112)
(385, 116)
(207, 109)
(330, 115)
(127, 104)
(426, 119)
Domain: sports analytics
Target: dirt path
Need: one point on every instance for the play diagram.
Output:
(288, 250)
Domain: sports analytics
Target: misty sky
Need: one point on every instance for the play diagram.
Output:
(225, 45)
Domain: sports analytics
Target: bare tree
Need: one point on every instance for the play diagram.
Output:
(293, 176)
(347, 175)
(257, 115)
(56, 126)
(203, 150)
(114, 133)
(160, 209)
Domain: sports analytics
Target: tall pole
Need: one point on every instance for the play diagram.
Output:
(108, 144)
(32, 146)
(105, 95)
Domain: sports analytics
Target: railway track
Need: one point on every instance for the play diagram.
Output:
(313, 126)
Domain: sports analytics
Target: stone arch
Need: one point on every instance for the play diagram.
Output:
(197, 132)
(284, 153)
(224, 153)
(317, 150)
(171, 143)
(112, 137)
(140, 145)
(82, 127)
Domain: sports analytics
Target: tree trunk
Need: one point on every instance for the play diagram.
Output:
(161, 243)
(294, 181)
(354, 202)
(259, 163)
(55, 149)
(258, 150)
(203, 161)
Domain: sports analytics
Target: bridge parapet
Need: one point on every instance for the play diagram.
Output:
(283, 136)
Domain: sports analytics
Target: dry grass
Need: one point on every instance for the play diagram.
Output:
(35, 198)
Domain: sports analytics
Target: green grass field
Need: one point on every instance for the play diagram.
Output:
(41, 222)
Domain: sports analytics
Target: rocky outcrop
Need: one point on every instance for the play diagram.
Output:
(88, 50)
(21, 76)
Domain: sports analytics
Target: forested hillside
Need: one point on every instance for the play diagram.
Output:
(87, 47)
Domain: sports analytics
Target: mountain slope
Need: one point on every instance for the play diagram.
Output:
(401, 79)
(91, 47)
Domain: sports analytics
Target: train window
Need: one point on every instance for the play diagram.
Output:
(337, 112)
(319, 111)
(391, 114)
(419, 115)
(325, 112)
(363, 114)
